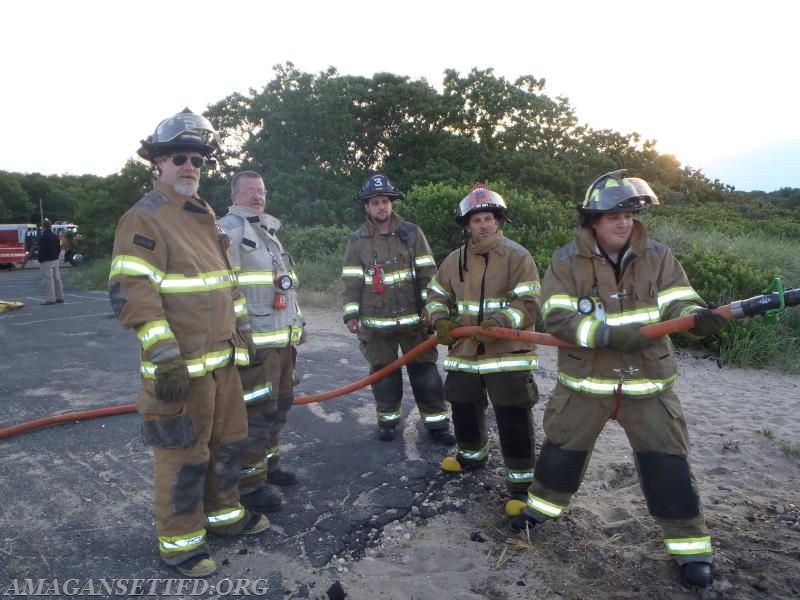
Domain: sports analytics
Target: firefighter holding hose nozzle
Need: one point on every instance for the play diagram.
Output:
(599, 290)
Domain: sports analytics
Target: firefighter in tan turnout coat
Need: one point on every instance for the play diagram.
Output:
(490, 281)
(387, 265)
(172, 282)
(598, 291)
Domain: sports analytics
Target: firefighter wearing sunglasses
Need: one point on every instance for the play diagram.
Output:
(387, 266)
(598, 291)
(173, 284)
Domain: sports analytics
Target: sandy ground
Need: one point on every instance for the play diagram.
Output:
(744, 428)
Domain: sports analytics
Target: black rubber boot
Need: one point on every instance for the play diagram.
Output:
(522, 522)
(697, 574)
(260, 501)
(281, 477)
(386, 434)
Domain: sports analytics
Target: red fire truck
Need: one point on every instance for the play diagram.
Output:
(17, 244)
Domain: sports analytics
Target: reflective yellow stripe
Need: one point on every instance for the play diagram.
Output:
(352, 272)
(688, 546)
(474, 454)
(425, 260)
(378, 323)
(213, 280)
(168, 544)
(389, 417)
(543, 506)
(153, 332)
(201, 366)
(132, 265)
(559, 302)
(257, 393)
(675, 294)
(256, 278)
(280, 337)
(226, 516)
(526, 288)
(516, 476)
(605, 387)
(491, 365)
(433, 417)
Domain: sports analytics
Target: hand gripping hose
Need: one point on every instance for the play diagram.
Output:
(765, 304)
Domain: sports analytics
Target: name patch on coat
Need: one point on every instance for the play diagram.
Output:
(144, 242)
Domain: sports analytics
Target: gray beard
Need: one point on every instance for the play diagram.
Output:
(186, 188)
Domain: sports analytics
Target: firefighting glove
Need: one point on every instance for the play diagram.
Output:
(627, 338)
(479, 336)
(443, 329)
(172, 380)
(707, 322)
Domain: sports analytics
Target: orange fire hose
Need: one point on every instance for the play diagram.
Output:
(544, 339)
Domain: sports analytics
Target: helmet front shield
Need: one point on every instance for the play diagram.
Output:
(613, 192)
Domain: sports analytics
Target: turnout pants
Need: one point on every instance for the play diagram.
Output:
(657, 432)
(197, 448)
(269, 394)
(513, 395)
(379, 347)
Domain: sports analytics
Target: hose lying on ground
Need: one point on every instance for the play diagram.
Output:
(739, 309)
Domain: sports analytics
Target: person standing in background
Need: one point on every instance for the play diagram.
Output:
(49, 251)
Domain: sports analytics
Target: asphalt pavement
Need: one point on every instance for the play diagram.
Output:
(76, 497)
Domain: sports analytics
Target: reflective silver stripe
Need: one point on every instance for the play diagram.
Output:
(543, 506)
(491, 365)
(197, 366)
(273, 452)
(684, 546)
(433, 418)
(240, 307)
(393, 277)
(390, 417)
(378, 323)
(472, 308)
(257, 393)
(526, 288)
(425, 261)
(640, 315)
(434, 308)
(132, 265)
(587, 330)
(514, 315)
(665, 297)
(474, 454)
(560, 302)
(249, 470)
(437, 288)
(181, 543)
(154, 332)
(225, 516)
(604, 387)
(204, 282)
(519, 476)
(280, 337)
(352, 272)
(256, 278)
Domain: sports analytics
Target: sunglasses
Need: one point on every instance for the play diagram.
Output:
(180, 159)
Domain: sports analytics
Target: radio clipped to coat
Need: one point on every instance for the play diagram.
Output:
(375, 271)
